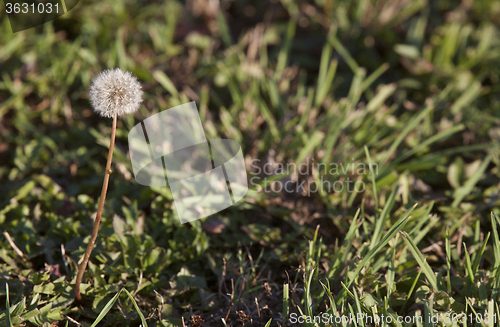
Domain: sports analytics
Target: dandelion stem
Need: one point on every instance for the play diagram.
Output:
(97, 220)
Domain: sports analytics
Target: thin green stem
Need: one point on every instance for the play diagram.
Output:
(90, 246)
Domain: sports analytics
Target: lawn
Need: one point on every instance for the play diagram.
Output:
(370, 132)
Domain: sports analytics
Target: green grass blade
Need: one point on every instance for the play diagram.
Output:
(496, 240)
(166, 82)
(7, 306)
(343, 53)
(384, 92)
(372, 175)
(110, 304)
(387, 237)
(224, 29)
(314, 141)
(382, 218)
(409, 127)
(139, 312)
(410, 292)
(466, 189)
(479, 255)
(391, 272)
(376, 74)
(285, 50)
(106, 308)
(324, 87)
(286, 296)
(421, 261)
(448, 260)
(435, 138)
(468, 265)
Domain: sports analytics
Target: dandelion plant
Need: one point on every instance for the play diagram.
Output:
(112, 93)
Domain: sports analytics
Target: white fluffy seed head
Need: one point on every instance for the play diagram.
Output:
(115, 91)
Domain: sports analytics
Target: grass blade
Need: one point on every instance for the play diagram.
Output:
(421, 261)
(143, 320)
(286, 296)
(409, 127)
(387, 237)
(7, 306)
(372, 174)
(110, 304)
(106, 309)
(479, 256)
(448, 260)
(391, 272)
(496, 241)
(383, 217)
(466, 189)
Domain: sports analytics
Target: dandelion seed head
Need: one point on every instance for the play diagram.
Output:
(115, 91)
